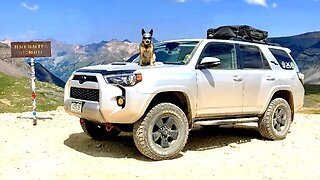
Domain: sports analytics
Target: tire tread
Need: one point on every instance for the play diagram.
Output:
(265, 124)
(140, 133)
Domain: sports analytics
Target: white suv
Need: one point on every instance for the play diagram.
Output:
(195, 81)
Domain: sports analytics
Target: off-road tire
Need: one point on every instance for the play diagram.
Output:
(162, 133)
(276, 121)
(98, 131)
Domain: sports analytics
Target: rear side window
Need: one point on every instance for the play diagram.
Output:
(252, 58)
(283, 59)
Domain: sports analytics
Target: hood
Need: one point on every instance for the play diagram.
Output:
(119, 67)
(113, 68)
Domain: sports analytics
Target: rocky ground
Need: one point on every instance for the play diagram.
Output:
(58, 149)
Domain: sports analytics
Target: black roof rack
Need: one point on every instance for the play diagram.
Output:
(243, 33)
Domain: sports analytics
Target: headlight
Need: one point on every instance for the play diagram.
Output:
(130, 79)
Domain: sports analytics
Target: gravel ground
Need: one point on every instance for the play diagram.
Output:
(58, 149)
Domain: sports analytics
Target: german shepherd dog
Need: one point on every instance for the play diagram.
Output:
(147, 56)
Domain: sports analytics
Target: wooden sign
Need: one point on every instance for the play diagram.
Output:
(31, 49)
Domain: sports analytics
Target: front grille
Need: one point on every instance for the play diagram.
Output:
(83, 78)
(85, 94)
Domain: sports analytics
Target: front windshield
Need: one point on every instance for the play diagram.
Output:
(171, 52)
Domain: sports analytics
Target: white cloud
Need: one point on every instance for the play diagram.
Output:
(258, 2)
(30, 7)
(29, 35)
(274, 5)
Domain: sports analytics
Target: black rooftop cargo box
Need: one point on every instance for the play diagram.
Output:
(243, 32)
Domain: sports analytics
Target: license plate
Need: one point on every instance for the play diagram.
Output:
(76, 106)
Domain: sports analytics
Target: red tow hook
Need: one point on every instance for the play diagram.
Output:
(109, 127)
(82, 121)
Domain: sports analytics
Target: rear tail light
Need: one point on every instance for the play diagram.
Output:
(301, 77)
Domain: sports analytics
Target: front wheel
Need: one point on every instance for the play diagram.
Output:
(276, 121)
(162, 133)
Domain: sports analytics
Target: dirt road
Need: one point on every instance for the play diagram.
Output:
(58, 149)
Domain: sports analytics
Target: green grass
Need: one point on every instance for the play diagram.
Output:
(311, 99)
(15, 95)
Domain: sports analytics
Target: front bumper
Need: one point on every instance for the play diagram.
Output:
(106, 109)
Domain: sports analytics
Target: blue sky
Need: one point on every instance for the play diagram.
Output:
(89, 21)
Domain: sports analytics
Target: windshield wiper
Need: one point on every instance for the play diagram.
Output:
(176, 63)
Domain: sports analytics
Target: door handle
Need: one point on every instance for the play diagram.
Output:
(237, 78)
(271, 78)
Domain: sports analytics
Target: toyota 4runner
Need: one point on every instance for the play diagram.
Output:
(195, 82)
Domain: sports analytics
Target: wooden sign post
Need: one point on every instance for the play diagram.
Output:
(31, 49)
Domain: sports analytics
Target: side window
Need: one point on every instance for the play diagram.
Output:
(253, 58)
(225, 52)
(283, 59)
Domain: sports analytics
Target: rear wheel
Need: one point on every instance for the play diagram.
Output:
(98, 131)
(162, 133)
(276, 121)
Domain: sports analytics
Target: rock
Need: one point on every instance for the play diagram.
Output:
(234, 145)
(98, 145)
(60, 108)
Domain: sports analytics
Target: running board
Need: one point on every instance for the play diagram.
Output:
(226, 121)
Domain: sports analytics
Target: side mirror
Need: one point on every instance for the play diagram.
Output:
(208, 62)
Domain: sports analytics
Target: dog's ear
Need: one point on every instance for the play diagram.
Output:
(151, 32)
(143, 31)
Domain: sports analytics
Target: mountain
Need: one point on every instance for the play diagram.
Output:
(306, 51)
(18, 67)
(66, 57)
(44, 75)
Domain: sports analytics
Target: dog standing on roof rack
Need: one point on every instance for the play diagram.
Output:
(147, 56)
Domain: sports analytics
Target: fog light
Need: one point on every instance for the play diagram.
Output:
(120, 101)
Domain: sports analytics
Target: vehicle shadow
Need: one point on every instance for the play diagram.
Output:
(200, 139)
(121, 146)
(205, 138)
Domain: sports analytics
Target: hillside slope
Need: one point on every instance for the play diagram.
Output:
(306, 51)
(16, 67)
(44, 75)
(15, 95)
